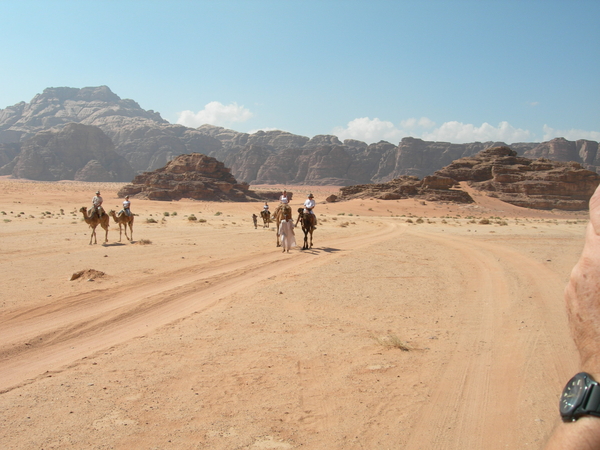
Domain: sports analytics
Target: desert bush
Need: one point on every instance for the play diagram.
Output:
(484, 221)
(192, 217)
(166, 214)
(419, 220)
(393, 341)
(151, 220)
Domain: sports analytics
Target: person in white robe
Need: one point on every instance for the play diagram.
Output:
(286, 234)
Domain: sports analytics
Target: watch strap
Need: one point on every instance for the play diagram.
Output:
(592, 405)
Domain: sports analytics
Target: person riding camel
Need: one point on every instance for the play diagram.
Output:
(309, 205)
(97, 204)
(284, 197)
(126, 206)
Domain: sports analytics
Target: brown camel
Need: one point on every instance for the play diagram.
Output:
(307, 221)
(266, 217)
(123, 219)
(93, 221)
(281, 211)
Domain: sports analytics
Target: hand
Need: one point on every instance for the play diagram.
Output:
(582, 295)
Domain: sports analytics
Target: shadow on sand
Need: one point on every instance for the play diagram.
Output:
(317, 250)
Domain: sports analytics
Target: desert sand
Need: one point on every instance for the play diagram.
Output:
(408, 325)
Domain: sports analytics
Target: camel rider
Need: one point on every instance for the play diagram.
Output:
(309, 204)
(266, 207)
(284, 198)
(126, 205)
(97, 204)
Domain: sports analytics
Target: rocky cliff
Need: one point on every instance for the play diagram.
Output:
(149, 142)
(75, 152)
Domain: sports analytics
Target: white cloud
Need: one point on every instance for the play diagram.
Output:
(374, 130)
(369, 130)
(461, 133)
(570, 135)
(215, 113)
(411, 124)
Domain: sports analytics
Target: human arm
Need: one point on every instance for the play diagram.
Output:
(582, 299)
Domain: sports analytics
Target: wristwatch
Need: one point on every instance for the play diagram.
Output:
(580, 397)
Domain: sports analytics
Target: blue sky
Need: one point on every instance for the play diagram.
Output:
(457, 71)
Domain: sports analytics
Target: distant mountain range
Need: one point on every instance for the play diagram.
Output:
(91, 134)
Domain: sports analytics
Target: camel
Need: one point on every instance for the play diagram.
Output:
(123, 219)
(266, 217)
(93, 221)
(307, 221)
(281, 211)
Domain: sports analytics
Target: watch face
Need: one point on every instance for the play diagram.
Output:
(573, 394)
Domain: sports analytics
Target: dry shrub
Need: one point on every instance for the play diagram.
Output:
(393, 341)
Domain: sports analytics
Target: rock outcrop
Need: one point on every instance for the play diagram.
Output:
(75, 152)
(431, 188)
(530, 183)
(194, 176)
(498, 171)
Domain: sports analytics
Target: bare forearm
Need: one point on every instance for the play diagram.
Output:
(583, 434)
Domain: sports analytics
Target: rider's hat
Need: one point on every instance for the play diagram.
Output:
(310, 196)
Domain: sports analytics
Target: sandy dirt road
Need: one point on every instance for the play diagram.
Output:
(209, 337)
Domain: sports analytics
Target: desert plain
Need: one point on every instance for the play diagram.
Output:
(408, 325)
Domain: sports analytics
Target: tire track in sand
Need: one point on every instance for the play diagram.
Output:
(45, 339)
(481, 392)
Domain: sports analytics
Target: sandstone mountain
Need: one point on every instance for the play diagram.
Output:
(75, 152)
(498, 171)
(145, 139)
(149, 142)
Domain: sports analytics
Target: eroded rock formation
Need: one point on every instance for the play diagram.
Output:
(194, 176)
(530, 183)
(498, 171)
